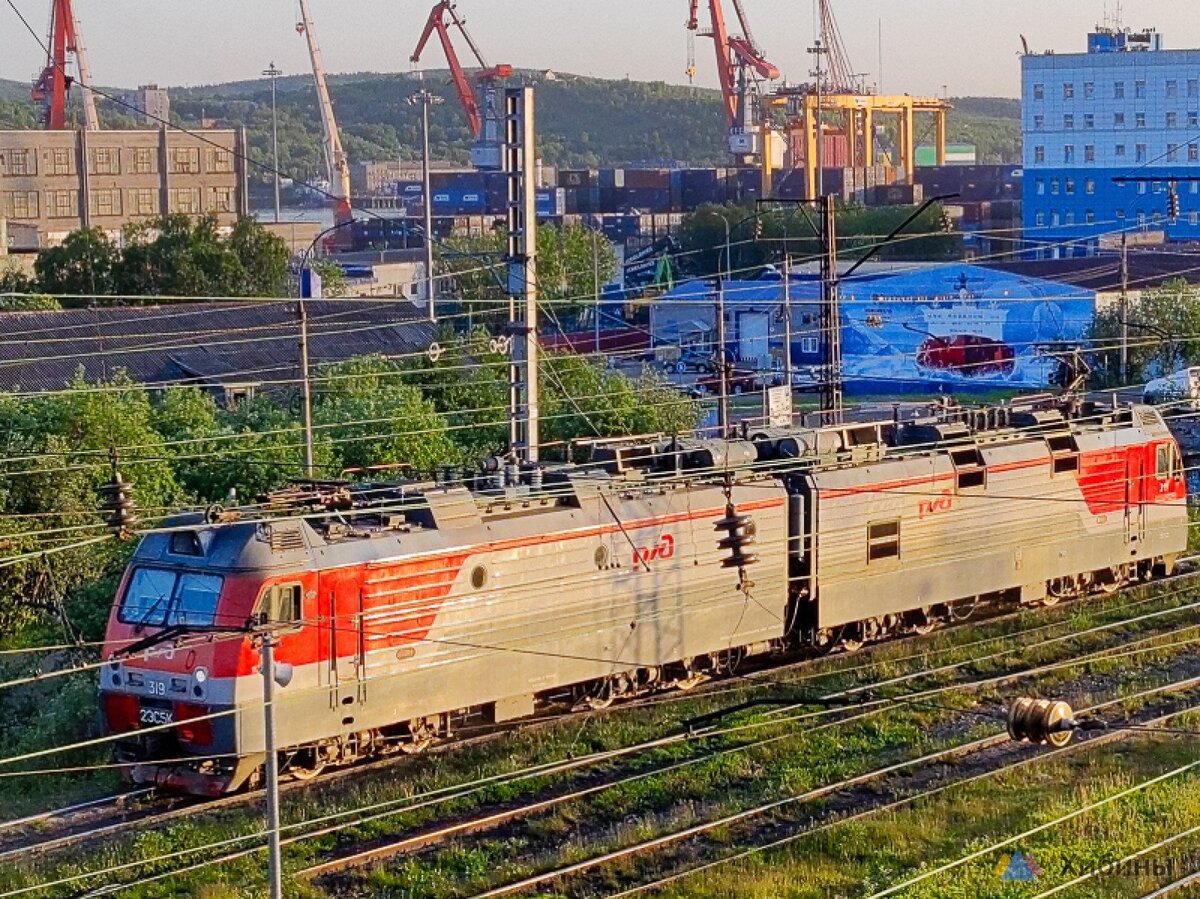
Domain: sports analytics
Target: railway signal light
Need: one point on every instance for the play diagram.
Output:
(1173, 202)
(1041, 721)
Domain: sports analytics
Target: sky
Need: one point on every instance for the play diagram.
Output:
(962, 47)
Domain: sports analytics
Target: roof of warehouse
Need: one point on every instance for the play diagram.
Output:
(242, 342)
(1103, 273)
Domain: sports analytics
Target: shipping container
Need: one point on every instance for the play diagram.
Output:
(571, 178)
(649, 179)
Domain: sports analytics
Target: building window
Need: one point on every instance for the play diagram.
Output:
(145, 161)
(143, 201)
(62, 161)
(1139, 89)
(1172, 120)
(1194, 188)
(1070, 220)
(1069, 153)
(105, 201)
(1068, 122)
(1119, 150)
(1120, 213)
(809, 345)
(1090, 216)
(1118, 90)
(220, 199)
(1068, 90)
(1172, 152)
(1139, 154)
(1069, 186)
(1157, 217)
(106, 161)
(1041, 219)
(62, 204)
(1040, 187)
(18, 162)
(1039, 92)
(1193, 154)
(1089, 121)
(1141, 187)
(184, 199)
(1193, 87)
(1172, 88)
(1089, 90)
(1194, 218)
(185, 160)
(1089, 186)
(1089, 153)
(1156, 186)
(21, 204)
(1054, 187)
(883, 540)
(1118, 120)
(1039, 154)
(219, 160)
(1139, 120)
(1141, 220)
(1054, 220)
(1194, 119)
(1039, 122)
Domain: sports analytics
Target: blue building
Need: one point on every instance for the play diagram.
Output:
(1126, 107)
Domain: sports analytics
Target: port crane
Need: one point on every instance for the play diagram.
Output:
(53, 84)
(484, 123)
(740, 65)
(335, 157)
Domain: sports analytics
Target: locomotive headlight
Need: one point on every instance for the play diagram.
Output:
(201, 675)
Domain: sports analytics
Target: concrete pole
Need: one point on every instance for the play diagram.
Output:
(306, 387)
(722, 361)
(787, 324)
(428, 204)
(273, 73)
(275, 857)
(596, 283)
(520, 164)
(1124, 309)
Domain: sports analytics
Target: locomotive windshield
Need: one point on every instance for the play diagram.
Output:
(160, 597)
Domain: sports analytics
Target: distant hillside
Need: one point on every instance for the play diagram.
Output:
(582, 121)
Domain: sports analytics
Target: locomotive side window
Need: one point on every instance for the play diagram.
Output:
(283, 604)
(969, 469)
(1165, 466)
(883, 540)
(1064, 455)
(159, 597)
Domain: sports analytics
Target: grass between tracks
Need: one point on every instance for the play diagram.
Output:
(617, 816)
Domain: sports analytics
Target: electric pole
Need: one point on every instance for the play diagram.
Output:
(831, 320)
(1124, 309)
(787, 324)
(425, 99)
(818, 50)
(520, 164)
(275, 858)
(596, 282)
(273, 73)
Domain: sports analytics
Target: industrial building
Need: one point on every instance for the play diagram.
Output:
(151, 104)
(60, 181)
(1128, 107)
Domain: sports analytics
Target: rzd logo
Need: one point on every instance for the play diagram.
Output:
(943, 503)
(663, 549)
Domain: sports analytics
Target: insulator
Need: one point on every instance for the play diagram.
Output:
(533, 476)
(512, 474)
(1041, 721)
(740, 533)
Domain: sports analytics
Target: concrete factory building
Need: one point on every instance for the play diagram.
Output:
(1126, 107)
(60, 181)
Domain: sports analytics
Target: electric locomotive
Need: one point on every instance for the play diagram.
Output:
(402, 610)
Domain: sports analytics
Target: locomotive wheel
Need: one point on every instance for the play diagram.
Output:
(922, 621)
(423, 731)
(825, 640)
(852, 637)
(1111, 580)
(305, 764)
(963, 609)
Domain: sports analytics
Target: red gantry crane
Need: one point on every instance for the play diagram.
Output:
(485, 123)
(53, 84)
(335, 157)
(740, 64)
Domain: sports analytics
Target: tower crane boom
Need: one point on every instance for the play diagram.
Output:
(462, 85)
(54, 82)
(335, 157)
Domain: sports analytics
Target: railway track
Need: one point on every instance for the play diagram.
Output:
(76, 825)
(853, 713)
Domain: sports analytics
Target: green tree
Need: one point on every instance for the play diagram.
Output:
(263, 257)
(333, 279)
(85, 264)
(1163, 327)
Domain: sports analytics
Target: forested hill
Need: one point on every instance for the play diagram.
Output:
(582, 121)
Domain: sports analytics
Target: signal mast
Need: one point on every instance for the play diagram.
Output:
(53, 84)
(335, 157)
(485, 124)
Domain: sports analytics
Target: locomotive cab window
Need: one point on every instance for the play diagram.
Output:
(1167, 466)
(883, 540)
(969, 469)
(1064, 454)
(283, 604)
(161, 597)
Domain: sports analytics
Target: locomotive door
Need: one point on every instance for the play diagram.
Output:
(343, 638)
(1135, 518)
